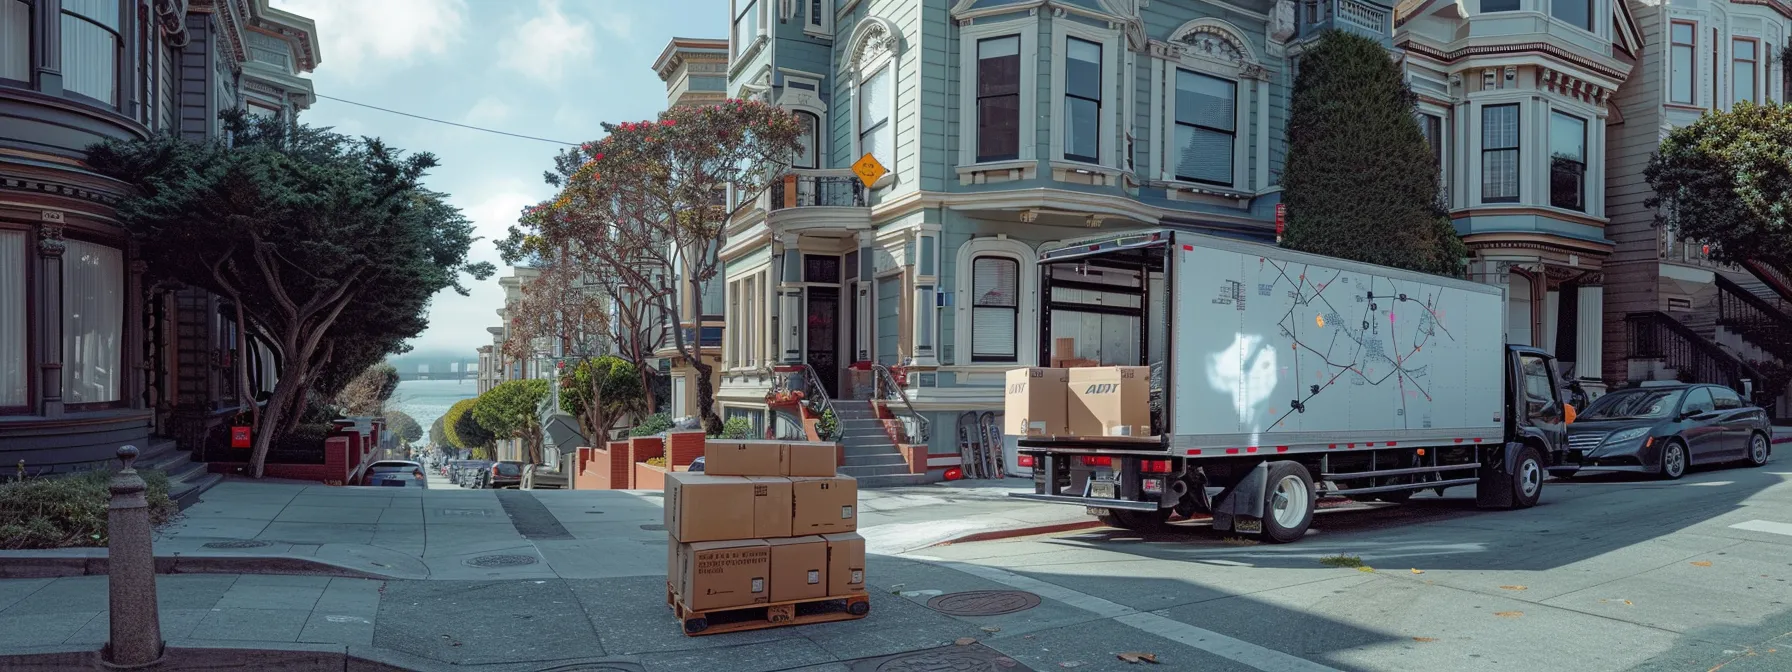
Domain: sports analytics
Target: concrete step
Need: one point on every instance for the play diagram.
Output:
(895, 480)
(187, 471)
(156, 449)
(879, 444)
(877, 470)
(875, 460)
(861, 451)
(168, 462)
(186, 493)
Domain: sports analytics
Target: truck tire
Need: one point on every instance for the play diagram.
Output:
(1527, 478)
(1137, 521)
(1288, 502)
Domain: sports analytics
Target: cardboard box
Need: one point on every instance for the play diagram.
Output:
(724, 574)
(1110, 401)
(1063, 347)
(1073, 363)
(743, 458)
(825, 505)
(846, 563)
(1035, 402)
(701, 507)
(799, 568)
(772, 505)
(810, 458)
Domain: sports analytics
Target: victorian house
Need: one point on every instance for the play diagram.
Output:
(1517, 98)
(91, 355)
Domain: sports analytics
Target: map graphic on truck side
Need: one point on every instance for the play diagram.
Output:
(1295, 348)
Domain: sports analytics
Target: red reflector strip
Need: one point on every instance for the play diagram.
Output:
(1251, 449)
(1331, 446)
(1459, 440)
(1231, 451)
(1349, 446)
(1369, 445)
(1281, 449)
(1390, 444)
(1477, 440)
(1194, 451)
(1188, 248)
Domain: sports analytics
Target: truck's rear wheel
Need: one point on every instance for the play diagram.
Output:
(1288, 502)
(1527, 478)
(1137, 521)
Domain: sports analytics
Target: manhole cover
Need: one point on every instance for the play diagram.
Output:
(465, 513)
(983, 602)
(239, 543)
(593, 667)
(501, 561)
(972, 658)
(654, 528)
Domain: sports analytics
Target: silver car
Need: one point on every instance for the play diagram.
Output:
(396, 473)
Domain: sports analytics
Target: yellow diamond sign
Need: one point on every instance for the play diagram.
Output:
(869, 169)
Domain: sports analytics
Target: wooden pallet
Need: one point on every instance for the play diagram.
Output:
(772, 615)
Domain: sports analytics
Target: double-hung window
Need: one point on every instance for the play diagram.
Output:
(1433, 128)
(1744, 56)
(809, 150)
(1082, 100)
(998, 98)
(1683, 50)
(877, 135)
(1499, 153)
(1206, 128)
(15, 41)
(1567, 161)
(91, 48)
(14, 264)
(995, 309)
(1577, 13)
(746, 25)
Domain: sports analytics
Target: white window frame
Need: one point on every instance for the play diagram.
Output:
(808, 101)
(890, 57)
(22, 38)
(1447, 148)
(1477, 162)
(1586, 169)
(1692, 77)
(1026, 335)
(1028, 30)
(1163, 107)
(1754, 69)
(818, 23)
(858, 145)
(736, 49)
(1111, 101)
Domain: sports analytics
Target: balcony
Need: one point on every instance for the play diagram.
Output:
(1680, 251)
(1362, 17)
(818, 201)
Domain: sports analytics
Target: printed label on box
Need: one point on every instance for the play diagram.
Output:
(845, 513)
(814, 576)
(858, 576)
(758, 585)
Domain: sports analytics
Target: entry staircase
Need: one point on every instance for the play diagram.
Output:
(870, 455)
(187, 480)
(1692, 346)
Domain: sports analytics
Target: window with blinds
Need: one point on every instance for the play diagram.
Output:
(877, 135)
(995, 308)
(15, 42)
(1206, 128)
(90, 48)
(1499, 153)
(14, 264)
(998, 98)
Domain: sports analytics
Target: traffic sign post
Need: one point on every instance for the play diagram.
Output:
(869, 169)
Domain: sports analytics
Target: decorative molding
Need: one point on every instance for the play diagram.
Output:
(1214, 39)
(1539, 48)
(50, 242)
(871, 39)
(47, 187)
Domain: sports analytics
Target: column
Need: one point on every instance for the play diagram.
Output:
(926, 317)
(1590, 334)
(1261, 151)
(50, 246)
(867, 308)
(788, 317)
(1551, 318)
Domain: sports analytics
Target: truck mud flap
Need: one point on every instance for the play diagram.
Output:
(1495, 489)
(1240, 505)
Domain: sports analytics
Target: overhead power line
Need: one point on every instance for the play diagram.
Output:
(450, 123)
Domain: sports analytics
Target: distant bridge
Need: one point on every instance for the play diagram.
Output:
(440, 371)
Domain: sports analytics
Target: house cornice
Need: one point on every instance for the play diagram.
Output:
(1615, 72)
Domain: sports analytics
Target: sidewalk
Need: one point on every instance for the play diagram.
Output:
(243, 526)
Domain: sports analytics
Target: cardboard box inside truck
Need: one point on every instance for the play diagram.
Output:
(701, 507)
(1035, 402)
(1110, 401)
(743, 458)
(723, 574)
(799, 568)
(846, 563)
(825, 505)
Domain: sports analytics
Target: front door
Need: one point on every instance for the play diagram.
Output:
(823, 337)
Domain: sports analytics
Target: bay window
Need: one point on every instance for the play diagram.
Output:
(995, 309)
(1744, 55)
(1577, 13)
(1082, 100)
(14, 265)
(998, 98)
(1567, 161)
(746, 25)
(92, 322)
(877, 134)
(15, 43)
(1206, 128)
(1499, 153)
(1432, 126)
(91, 48)
(809, 151)
(1682, 59)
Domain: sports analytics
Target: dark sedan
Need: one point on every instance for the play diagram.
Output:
(1664, 429)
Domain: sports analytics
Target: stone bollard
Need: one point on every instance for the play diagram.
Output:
(131, 571)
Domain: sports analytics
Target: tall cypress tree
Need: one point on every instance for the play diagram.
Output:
(1361, 182)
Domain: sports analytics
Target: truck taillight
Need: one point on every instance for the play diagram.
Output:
(1155, 466)
(1025, 461)
(1097, 461)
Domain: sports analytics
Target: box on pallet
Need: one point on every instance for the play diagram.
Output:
(701, 507)
(1110, 401)
(825, 505)
(846, 563)
(799, 568)
(1035, 401)
(769, 458)
(811, 458)
(722, 574)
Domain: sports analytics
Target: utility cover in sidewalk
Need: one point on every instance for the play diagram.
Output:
(971, 658)
(983, 602)
(654, 527)
(602, 666)
(238, 543)
(501, 561)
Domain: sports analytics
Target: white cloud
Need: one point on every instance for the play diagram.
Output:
(489, 110)
(458, 322)
(542, 47)
(616, 23)
(360, 35)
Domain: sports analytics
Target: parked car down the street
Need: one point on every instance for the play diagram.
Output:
(537, 476)
(1665, 429)
(505, 474)
(396, 473)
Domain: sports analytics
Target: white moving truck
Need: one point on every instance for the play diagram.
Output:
(1279, 377)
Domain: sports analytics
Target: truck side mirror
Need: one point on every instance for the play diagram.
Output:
(1568, 413)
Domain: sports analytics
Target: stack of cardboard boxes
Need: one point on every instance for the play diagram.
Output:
(766, 522)
(1081, 401)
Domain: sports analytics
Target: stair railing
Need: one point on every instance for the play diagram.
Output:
(1656, 335)
(1756, 319)
(1773, 277)
(884, 387)
(816, 395)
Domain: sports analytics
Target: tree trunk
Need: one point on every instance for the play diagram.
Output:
(706, 392)
(284, 390)
(242, 366)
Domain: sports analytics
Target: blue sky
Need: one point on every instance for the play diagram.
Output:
(545, 68)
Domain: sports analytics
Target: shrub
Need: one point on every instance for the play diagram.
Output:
(652, 425)
(58, 512)
(735, 429)
(657, 461)
(828, 427)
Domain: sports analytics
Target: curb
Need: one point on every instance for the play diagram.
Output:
(994, 535)
(48, 566)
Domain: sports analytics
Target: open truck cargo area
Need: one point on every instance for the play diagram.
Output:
(1278, 377)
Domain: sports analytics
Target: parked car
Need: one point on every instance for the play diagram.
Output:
(1664, 429)
(506, 474)
(540, 476)
(396, 473)
(466, 474)
(697, 464)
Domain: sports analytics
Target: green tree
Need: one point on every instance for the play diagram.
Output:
(438, 433)
(328, 243)
(403, 426)
(512, 411)
(600, 392)
(1360, 180)
(1726, 179)
(368, 392)
(463, 428)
